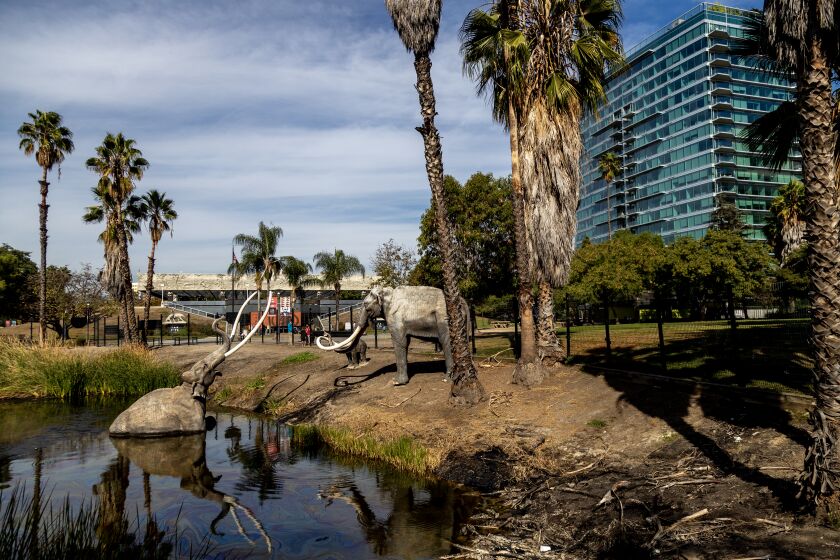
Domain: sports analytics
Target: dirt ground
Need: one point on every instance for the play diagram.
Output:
(592, 464)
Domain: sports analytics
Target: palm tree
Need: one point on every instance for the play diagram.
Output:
(258, 256)
(785, 228)
(547, 61)
(106, 210)
(50, 142)
(609, 165)
(417, 22)
(158, 212)
(119, 164)
(804, 37)
(495, 55)
(335, 267)
(297, 273)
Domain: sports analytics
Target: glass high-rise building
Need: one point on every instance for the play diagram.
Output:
(673, 119)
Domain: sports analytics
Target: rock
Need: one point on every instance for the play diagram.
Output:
(163, 412)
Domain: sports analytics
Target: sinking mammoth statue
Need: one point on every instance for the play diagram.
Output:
(410, 312)
(180, 410)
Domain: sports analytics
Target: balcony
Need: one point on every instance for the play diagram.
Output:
(721, 76)
(645, 118)
(605, 124)
(719, 46)
(723, 117)
(721, 102)
(725, 159)
(720, 60)
(718, 31)
(722, 146)
(724, 131)
(725, 175)
(721, 88)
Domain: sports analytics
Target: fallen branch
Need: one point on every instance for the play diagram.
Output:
(687, 519)
(773, 523)
(694, 481)
(402, 401)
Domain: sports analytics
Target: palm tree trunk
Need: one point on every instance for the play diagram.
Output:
(149, 284)
(42, 279)
(465, 387)
(337, 298)
(528, 351)
(821, 476)
(549, 346)
(125, 273)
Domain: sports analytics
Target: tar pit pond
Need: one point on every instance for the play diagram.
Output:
(246, 488)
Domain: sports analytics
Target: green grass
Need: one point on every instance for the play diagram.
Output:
(222, 394)
(65, 373)
(255, 384)
(300, 358)
(403, 453)
(597, 423)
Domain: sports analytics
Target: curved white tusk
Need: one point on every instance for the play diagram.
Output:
(238, 315)
(254, 330)
(343, 345)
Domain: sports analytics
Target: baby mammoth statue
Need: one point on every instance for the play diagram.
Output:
(357, 355)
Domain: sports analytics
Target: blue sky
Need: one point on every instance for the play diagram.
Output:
(296, 113)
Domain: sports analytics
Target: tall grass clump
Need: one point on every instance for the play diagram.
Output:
(31, 529)
(403, 453)
(54, 371)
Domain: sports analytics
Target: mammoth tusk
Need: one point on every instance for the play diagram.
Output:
(339, 346)
(253, 330)
(239, 315)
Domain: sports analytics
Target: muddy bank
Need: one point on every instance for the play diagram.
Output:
(589, 464)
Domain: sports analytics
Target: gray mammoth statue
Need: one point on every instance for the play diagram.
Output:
(410, 312)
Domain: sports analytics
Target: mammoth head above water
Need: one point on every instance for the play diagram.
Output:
(202, 373)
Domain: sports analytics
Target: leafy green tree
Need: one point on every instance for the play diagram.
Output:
(335, 267)
(15, 270)
(259, 256)
(610, 166)
(50, 141)
(392, 264)
(417, 22)
(726, 215)
(617, 270)
(158, 212)
(482, 215)
(119, 164)
(297, 273)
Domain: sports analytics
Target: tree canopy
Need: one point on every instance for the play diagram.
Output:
(15, 270)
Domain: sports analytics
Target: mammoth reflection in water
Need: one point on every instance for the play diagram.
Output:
(184, 458)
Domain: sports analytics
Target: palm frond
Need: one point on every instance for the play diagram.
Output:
(773, 135)
(417, 22)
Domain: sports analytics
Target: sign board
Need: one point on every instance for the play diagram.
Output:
(285, 304)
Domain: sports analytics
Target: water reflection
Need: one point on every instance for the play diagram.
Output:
(244, 488)
(184, 458)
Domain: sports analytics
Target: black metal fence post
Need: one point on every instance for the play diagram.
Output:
(375, 333)
(118, 331)
(472, 328)
(161, 329)
(104, 331)
(189, 329)
(568, 330)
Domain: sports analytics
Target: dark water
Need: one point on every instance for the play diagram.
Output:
(299, 503)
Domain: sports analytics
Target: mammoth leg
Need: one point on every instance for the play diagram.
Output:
(349, 355)
(401, 353)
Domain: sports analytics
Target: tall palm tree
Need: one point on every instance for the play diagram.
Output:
(105, 210)
(804, 36)
(45, 137)
(417, 22)
(334, 268)
(495, 55)
(119, 164)
(785, 228)
(297, 273)
(547, 60)
(259, 256)
(158, 212)
(609, 165)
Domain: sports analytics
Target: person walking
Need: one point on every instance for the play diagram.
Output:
(308, 332)
(291, 333)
